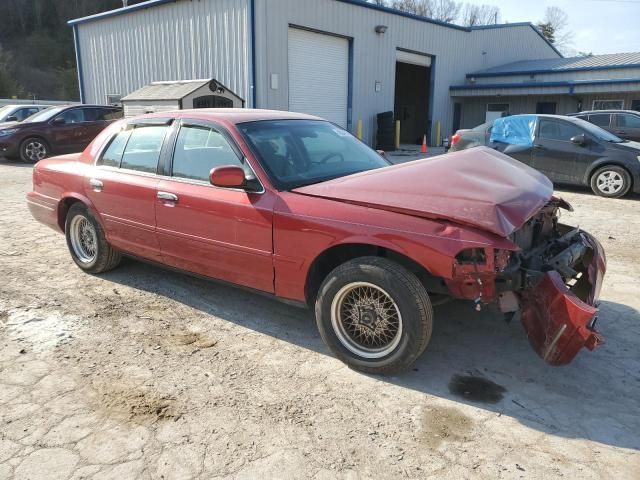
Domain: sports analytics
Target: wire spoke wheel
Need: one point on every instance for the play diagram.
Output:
(366, 320)
(610, 182)
(84, 239)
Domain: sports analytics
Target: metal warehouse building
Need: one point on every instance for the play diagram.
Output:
(345, 60)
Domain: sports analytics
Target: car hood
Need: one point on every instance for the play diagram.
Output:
(7, 124)
(478, 187)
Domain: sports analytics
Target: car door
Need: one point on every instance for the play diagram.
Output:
(602, 120)
(627, 126)
(217, 232)
(555, 155)
(123, 184)
(66, 132)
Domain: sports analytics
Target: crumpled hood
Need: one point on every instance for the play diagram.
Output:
(479, 187)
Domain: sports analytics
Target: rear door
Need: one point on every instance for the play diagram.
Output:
(555, 155)
(123, 187)
(96, 120)
(627, 126)
(222, 233)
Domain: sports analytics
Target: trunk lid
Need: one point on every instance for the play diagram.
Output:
(479, 187)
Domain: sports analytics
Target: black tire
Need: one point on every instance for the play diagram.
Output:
(408, 296)
(602, 178)
(105, 258)
(33, 149)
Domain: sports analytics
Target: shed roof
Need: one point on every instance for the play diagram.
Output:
(556, 65)
(166, 90)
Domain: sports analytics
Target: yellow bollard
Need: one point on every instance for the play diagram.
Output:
(397, 134)
(359, 130)
(438, 139)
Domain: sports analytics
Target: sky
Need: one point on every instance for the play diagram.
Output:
(598, 26)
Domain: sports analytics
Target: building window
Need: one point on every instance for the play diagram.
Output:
(114, 99)
(635, 105)
(546, 108)
(608, 104)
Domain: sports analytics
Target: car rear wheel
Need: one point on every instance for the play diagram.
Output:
(32, 150)
(611, 181)
(374, 315)
(86, 241)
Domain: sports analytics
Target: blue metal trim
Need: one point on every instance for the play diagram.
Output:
(568, 83)
(350, 88)
(549, 70)
(120, 11)
(252, 25)
(76, 43)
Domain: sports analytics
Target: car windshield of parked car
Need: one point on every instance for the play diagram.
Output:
(597, 132)
(44, 115)
(302, 152)
(5, 112)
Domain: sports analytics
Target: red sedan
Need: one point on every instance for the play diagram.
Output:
(295, 206)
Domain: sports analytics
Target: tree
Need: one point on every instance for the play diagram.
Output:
(473, 15)
(8, 86)
(554, 28)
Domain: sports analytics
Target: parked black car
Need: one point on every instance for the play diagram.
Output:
(566, 149)
(622, 123)
(56, 130)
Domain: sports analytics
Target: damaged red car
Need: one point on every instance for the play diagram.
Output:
(296, 207)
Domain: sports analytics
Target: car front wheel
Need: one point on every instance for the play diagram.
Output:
(32, 150)
(86, 241)
(611, 181)
(374, 315)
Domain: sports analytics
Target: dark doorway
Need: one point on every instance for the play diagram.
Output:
(635, 105)
(212, 101)
(546, 108)
(412, 101)
(457, 115)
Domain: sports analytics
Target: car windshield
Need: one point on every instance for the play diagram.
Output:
(596, 131)
(302, 152)
(44, 115)
(5, 112)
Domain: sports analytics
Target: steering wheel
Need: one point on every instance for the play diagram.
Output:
(331, 155)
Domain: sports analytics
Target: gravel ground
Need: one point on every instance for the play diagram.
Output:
(142, 373)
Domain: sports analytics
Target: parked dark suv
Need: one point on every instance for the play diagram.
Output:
(622, 123)
(56, 130)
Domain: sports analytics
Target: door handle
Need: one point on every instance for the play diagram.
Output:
(169, 197)
(96, 185)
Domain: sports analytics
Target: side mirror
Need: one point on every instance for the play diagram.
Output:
(230, 176)
(579, 139)
(382, 153)
(11, 118)
(59, 121)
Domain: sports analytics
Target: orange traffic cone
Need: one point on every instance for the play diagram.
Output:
(423, 149)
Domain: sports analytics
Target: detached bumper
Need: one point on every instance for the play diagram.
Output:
(560, 319)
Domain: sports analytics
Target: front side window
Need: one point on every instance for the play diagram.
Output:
(112, 156)
(552, 130)
(24, 113)
(629, 121)
(600, 119)
(200, 149)
(143, 148)
(302, 152)
(75, 115)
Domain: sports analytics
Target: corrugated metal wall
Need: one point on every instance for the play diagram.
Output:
(177, 41)
(456, 52)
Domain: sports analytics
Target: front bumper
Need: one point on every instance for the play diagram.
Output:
(559, 312)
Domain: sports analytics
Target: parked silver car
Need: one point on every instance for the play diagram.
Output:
(17, 113)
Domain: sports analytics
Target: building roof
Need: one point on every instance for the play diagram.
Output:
(166, 90)
(557, 65)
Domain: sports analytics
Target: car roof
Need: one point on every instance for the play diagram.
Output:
(24, 105)
(632, 112)
(233, 115)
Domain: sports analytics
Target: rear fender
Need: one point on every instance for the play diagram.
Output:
(68, 199)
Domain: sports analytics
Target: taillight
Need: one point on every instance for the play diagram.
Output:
(455, 138)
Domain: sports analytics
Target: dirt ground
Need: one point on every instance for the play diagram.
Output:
(143, 373)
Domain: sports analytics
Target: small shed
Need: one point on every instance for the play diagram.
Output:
(178, 95)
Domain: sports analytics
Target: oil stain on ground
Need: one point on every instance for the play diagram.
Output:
(476, 389)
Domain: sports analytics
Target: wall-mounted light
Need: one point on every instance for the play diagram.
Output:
(381, 29)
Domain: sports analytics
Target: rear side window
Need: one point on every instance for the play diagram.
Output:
(200, 149)
(600, 119)
(112, 156)
(552, 130)
(629, 121)
(143, 148)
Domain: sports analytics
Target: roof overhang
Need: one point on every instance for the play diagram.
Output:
(569, 87)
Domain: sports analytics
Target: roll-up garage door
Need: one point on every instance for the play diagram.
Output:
(318, 75)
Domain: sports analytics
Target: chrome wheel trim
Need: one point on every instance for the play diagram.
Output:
(35, 150)
(366, 320)
(84, 239)
(609, 182)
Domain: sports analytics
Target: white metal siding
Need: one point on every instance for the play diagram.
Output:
(176, 41)
(318, 75)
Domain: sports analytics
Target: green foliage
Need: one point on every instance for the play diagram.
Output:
(548, 31)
